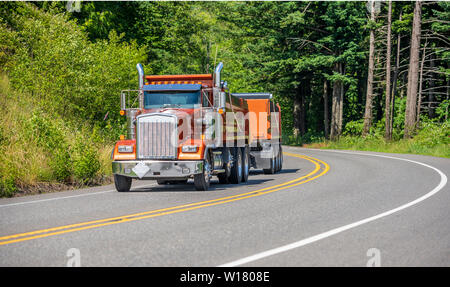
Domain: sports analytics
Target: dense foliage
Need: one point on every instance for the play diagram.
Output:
(62, 71)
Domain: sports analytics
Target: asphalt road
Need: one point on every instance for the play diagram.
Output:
(326, 208)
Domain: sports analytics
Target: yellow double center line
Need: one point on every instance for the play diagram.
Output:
(320, 169)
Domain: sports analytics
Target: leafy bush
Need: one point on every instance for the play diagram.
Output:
(7, 186)
(85, 159)
(61, 164)
(432, 134)
(45, 132)
(56, 86)
(442, 109)
(54, 61)
(354, 128)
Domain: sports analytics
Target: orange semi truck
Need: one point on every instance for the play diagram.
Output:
(182, 127)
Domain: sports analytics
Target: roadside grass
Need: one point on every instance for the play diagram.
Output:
(59, 101)
(432, 139)
(379, 145)
(40, 151)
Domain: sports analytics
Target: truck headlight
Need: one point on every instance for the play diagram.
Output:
(125, 148)
(189, 148)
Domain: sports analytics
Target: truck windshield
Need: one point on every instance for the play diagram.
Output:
(171, 99)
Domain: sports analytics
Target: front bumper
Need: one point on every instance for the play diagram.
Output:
(158, 169)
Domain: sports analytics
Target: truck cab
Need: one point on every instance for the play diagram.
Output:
(183, 127)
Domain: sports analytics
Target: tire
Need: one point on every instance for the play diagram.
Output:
(202, 180)
(236, 169)
(278, 160)
(245, 163)
(122, 183)
(161, 182)
(281, 159)
(270, 170)
(224, 178)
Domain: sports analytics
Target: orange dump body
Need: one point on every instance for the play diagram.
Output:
(261, 112)
(258, 119)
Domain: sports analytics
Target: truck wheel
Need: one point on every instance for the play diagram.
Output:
(270, 170)
(281, 159)
(277, 160)
(224, 177)
(122, 183)
(245, 163)
(203, 180)
(236, 169)
(275, 170)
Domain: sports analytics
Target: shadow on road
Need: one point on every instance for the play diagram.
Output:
(189, 187)
(215, 185)
(288, 170)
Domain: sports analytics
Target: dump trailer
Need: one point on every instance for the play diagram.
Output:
(182, 127)
(264, 131)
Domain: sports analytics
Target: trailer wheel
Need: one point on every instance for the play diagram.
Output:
(203, 180)
(245, 163)
(236, 169)
(122, 183)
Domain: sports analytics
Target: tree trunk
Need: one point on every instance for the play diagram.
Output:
(446, 98)
(394, 89)
(413, 73)
(336, 108)
(431, 111)
(325, 110)
(388, 111)
(296, 112)
(419, 102)
(306, 94)
(300, 108)
(394, 84)
(369, 94)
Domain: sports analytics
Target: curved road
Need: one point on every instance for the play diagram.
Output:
(326, 208)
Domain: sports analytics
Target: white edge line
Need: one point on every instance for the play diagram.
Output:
(66, 197)
(335, 231)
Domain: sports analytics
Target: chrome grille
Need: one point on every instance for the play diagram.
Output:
(157, 136)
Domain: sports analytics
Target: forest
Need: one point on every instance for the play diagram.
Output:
(367, 75)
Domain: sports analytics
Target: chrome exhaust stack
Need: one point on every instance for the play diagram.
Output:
(141, 74)
(217, 74)
(218, 95)
(140, 69)
(132, 111)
